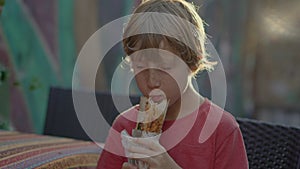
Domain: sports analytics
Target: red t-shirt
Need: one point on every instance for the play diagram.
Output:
(209, 138)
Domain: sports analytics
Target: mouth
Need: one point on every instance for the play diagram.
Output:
(157, 98)
(157, 95)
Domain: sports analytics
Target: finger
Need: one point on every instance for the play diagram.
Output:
(152, 162)
(128, 166)
(137, 155)
(128, 142)
(147, 142)
(141, 150)
(150, 143)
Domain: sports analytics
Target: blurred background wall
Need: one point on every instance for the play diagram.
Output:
(258, 43)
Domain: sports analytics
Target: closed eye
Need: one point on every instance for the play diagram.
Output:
(139, 66)
(166, 68)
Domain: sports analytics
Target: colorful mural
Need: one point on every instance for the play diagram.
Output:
(39, 43)
(40, 40)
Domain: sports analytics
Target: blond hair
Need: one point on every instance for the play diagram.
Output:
(188, 41)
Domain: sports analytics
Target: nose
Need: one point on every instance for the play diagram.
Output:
(153, 79)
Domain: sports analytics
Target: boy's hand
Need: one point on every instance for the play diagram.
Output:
(128, 166)
(151, 152)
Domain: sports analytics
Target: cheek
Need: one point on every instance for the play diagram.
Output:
(171, 87)
(175, 86)
(140, 81)
(172, 92)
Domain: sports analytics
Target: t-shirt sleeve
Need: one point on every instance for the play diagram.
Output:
(231, 152)
(112, 157)
(109, 160)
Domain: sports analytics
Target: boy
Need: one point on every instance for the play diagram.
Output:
(164, 41)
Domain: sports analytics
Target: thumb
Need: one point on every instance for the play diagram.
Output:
(128, 166)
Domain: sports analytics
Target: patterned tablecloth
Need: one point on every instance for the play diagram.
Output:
(22, 150)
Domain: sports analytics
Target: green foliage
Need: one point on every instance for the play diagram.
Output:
(4, 98)
(3, 74)
(2, 2)
(4, 125)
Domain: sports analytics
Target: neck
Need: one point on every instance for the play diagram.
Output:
(188, 103)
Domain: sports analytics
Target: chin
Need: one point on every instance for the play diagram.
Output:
(174, 100)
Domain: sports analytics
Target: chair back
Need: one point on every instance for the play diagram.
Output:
(62, 120)
(271, 145)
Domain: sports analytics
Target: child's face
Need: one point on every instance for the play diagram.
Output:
(159, 70)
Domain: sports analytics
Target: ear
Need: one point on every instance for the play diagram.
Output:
(189, 71)
(200, 57)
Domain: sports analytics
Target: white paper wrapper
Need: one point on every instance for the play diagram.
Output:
(127, 141)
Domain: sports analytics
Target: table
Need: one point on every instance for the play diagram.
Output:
(26, 150)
